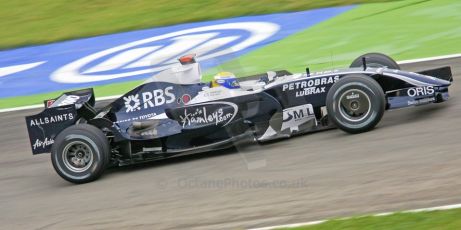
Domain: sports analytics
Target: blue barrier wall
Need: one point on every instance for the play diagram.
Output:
(136, 55)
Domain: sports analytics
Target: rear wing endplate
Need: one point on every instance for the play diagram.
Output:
(59, 113)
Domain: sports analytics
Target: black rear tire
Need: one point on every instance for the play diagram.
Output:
(80, 153)
(356, 103)
(375, 60)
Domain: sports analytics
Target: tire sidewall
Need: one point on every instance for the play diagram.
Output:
(368, 119)
(377, 62)
(374, 93)
(97, 150)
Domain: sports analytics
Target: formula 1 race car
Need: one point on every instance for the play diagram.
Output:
(176, 113)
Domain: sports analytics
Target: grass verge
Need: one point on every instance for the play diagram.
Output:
(404, 30)
(442, 220)
(31, 22)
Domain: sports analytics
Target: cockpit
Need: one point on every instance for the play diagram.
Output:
(188, 72)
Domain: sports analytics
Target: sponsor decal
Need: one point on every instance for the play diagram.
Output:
(43, 127)
(8, 70)
(216, 113)
(149, 99)
(212, 93)
(420, 91)
(352, 96)
(132, 103)
(49, 103)
(42, 143)
(422, 101)
(141, 117)
(324, 72)
(62, 101)
(295, 116)
(51, 119)
(69, 100)
(139, 54)
(310, 86)
(150, 132)
(184, 99)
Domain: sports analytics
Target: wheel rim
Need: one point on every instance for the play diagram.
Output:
(354, 105)
(77, 156)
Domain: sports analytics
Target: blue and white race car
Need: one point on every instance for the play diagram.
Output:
(176, 113)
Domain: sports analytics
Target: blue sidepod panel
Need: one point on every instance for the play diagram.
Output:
(150, 99)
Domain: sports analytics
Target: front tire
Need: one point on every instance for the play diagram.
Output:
(80, 153)
(375, 60)
(356, 103)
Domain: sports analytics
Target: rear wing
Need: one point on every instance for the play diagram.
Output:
(78, 97)
(59, 113)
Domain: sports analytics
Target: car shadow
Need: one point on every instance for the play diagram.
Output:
(172, 160)
(390, 119)
(414, 114)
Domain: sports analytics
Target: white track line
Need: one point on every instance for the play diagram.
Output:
(21, 108)
(438, 208)
(291, 225)
(429, 59)
(108, 98)
(41, 105)
(117, 96)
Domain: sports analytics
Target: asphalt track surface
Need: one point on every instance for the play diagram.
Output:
(411, 160)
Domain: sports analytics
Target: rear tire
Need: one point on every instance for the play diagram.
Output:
(80, 153)
(355, 103)
(375, 60)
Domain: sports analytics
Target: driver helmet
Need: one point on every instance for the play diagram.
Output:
(225, 79)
